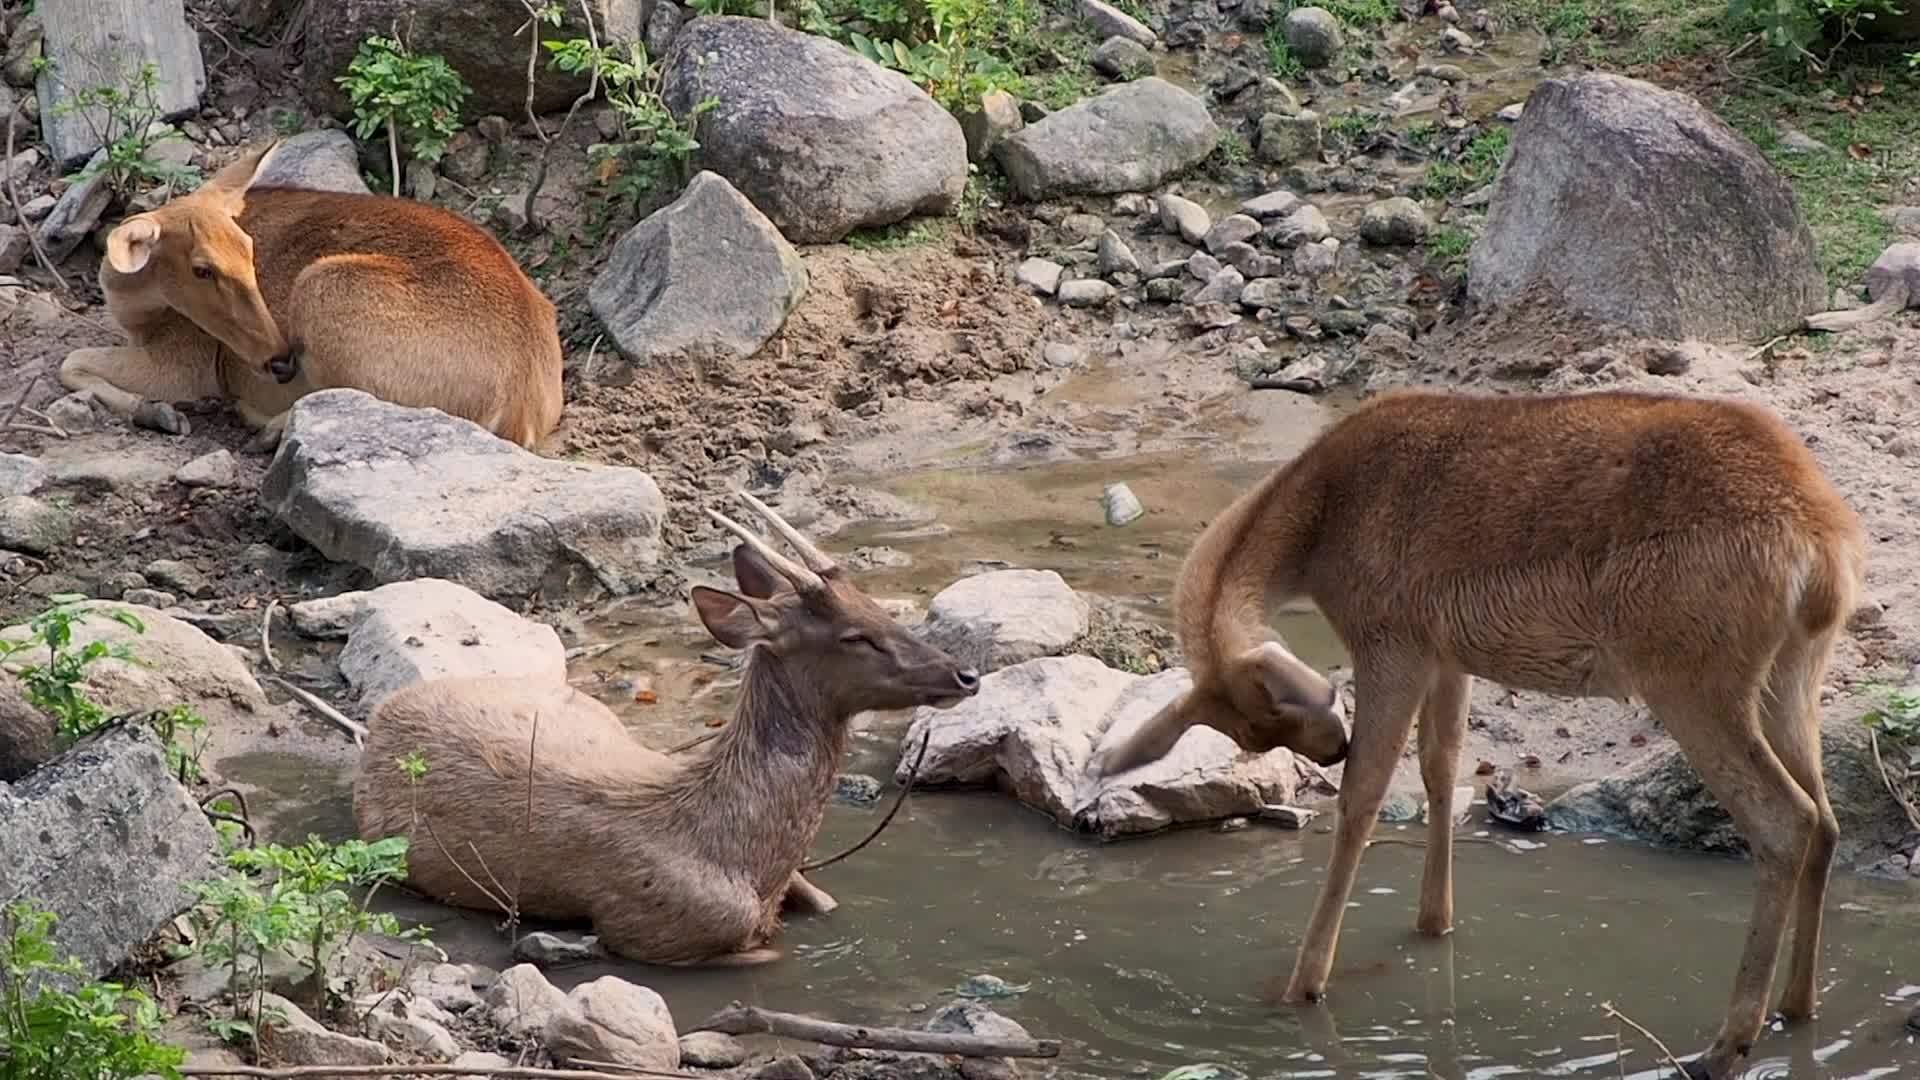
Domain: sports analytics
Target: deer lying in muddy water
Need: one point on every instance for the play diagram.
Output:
(1686, 552)
(260, 295)
(675, 860)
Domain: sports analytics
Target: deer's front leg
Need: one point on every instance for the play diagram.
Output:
(139, 386)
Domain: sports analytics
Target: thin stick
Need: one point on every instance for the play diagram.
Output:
(266, 634)
(13, 196)
(295, 1072)
(912, 774)
(1913, 819)
(738, 1019)
(326, 711)
(22, 399)
(566, 123)
(1607, 1007)
(393, 154)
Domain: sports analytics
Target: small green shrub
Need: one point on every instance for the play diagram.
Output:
(1790, 28)
(654, 145)
(124, 118)
(1280, 56)
(953, 64)
(415, 98)
(99, 1031)
(1448, 246)
(1475, 167)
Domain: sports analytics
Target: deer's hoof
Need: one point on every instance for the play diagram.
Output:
(162, 417)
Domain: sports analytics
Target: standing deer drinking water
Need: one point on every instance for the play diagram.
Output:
(261, 295)
(1687, 552)
(675, 860)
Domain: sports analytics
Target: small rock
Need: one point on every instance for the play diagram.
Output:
(1080, 228)
(544, 950)
(711, 1050)
(478, 1060)
(218, 469)
(521, 1001)
(152, 598)
(1164, 290)
(1201, 266)
(1113, 256)
(422, 180)
(612, 1020)
(1904, 219)
(790, 1067)
(1306, 225)
(1004, 617)
(32, 527)
(1400, 807)
(1395, 222)
(1448, 14)
(1454, 39)
(856, 789)
(1211, 315)
(1899, 263)
(20, 474)
(1285, 139)
(15, 245)
(1122, 58)
(1314, 260)
(1120, 504)
(498, 129)
(986, 127)
(323, 160)
(1059, 354)
(1314, 36)
(1040, 275)
(1086, 292)
(1184, 217)
(1511, 113)
(1110, 21)
(77, 212)
(1268, 292)
(1287, 817)
(1223, 288)
(446, 985)
(414, 1025)
(1131, 137)
(294, 1038)
(1232, 229)
(466, 159)
(1273, 204)
(662, 26)
(179, 576)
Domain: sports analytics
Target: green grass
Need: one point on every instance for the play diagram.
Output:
(913, 232)
(1280, 56)
(1361, 14)
(1448, 246)
(1476, 166)
(1873, 154)
(1625, 32)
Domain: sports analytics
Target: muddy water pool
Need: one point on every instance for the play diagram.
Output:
(1150, 953)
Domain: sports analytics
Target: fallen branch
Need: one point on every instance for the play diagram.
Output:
(912, 774)
(566, 124)
(1607, 1008)
(266, 635)
(21, 400)
(1886, 777)
(327, 712)
(525, 1072)
(1834, 321)
(13, 196)
(738, 1019)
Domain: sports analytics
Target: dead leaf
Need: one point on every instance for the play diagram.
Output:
(1859, 151)
(647, 697)
(1485, 768)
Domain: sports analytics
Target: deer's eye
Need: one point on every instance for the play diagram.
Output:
(857, 638)
(203, 271)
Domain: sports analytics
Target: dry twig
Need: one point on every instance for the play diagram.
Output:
(326, 711)
(1607, 1008)
(266, 635)
(566, 124)
(13, 196)
(1913, 819)
(738, 1019)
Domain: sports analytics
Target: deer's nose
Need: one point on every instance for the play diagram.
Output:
(283, 367)
(968, 680)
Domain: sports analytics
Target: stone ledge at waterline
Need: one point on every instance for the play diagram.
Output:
(1638, 208)
(410, 493)
(821, 139)
(1033, 726)
(104, 837)
(1660, 800)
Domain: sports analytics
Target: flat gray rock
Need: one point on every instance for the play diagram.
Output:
(1002, 617)
(412, 631)
(706, 275)
(324, 160)
(410, 493)
(1636, 207)
(107, 840)
(1131, 137)
(821, 139)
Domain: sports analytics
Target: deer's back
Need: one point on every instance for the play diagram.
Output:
(1583, 521)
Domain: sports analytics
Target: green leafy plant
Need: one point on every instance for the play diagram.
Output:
(97, 1031)
(1448, 246)
(1790, 28)
(952, 64)
(654, 145)
(124, 117)
(1280, 56)
(416, 98)
(1474, 168)
(54, 687)
(1897, 718)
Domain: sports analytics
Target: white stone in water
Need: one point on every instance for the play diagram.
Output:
(1121, 504)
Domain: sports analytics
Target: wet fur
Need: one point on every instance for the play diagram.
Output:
(1686, 552)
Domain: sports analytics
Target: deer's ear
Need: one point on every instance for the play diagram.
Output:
(756, 578)
(229, 186)
(132, 243)
(734, 621)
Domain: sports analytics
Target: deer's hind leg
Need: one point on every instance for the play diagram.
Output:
(1718, 726)
(140, 384)
(804, 895)
(1790, 719)
(1443, 726)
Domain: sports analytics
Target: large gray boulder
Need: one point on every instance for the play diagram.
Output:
(707, 274)
(1033, 726)
(1636, 207)
(409, 493)
(104, 837)
(323, 160)
(823, 140)
(412, 631)
(483, 42)
(1004, 617)
(91, 44)
(1131, 137)
(1660, 800)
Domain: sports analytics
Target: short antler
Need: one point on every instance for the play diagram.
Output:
(817, 561)
(803, 579)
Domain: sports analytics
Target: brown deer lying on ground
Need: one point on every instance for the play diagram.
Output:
(676, 860)
(1687, 552)
(262, 295)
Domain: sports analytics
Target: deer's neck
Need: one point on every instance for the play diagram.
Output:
(1251, 557)
(763, 788)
